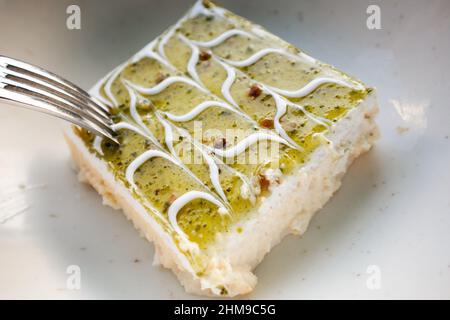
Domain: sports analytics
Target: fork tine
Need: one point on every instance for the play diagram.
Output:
(47, 76)
(39, 84)
(79, 93)
(42, 105)
(64, 107)
(45, 94)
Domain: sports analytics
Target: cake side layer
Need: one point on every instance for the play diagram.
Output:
(292, 204)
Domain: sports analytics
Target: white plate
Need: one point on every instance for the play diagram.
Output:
(392, 212)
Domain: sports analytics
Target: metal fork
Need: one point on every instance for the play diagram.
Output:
(35, 88)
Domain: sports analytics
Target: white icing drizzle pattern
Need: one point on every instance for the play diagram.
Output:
(222, 38)
(258, 31)
(95, 91)
(147, 52)
(319, 120)
(110, 81)
(134, 113)
(258, 55)
(212, 161)
(141, 159)
(281, 103)
(168, 140)
(193, 60)
(168, 135)
(165, 39)
(213, 171)
(207, 104)
(202, 107)
(226, 86)
(126, 125)
(163, 85)
(281, 107)
(310, 87)
(242, 145)
(118, 126)
(181, 201)
(135, 164)
(231, 74)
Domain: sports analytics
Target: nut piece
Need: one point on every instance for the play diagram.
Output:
(254, 91)
(169, 202)
(220, 143)
(269, 177)
(266, 123)
(204, 56)
(264, 183)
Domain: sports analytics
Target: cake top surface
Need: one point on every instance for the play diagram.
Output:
(211, 117)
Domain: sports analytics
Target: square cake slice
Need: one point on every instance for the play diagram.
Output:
(230, 139)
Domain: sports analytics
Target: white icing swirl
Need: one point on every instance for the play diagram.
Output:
(212, 163)
(118, 126)
(226, 85)
(319, 120)
(231, 74)
(242, 145)
(180, 202)
(193, 60)
(164, 40)
(221, 38)
(281, 106)
(213, 172)
(141, 159)
(200, 108)
(212, 166)
(95, 91)
(163, 85)
(311, 86)
(258, 55)
(125, 125)
(110, 81)
(213, 169)
(147, 52)
(168, 135)
(134, 113)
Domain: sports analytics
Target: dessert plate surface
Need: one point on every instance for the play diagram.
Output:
(385, 234)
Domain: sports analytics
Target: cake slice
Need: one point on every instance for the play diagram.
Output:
(230, 139)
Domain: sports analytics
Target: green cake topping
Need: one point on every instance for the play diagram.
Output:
(232, 108)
